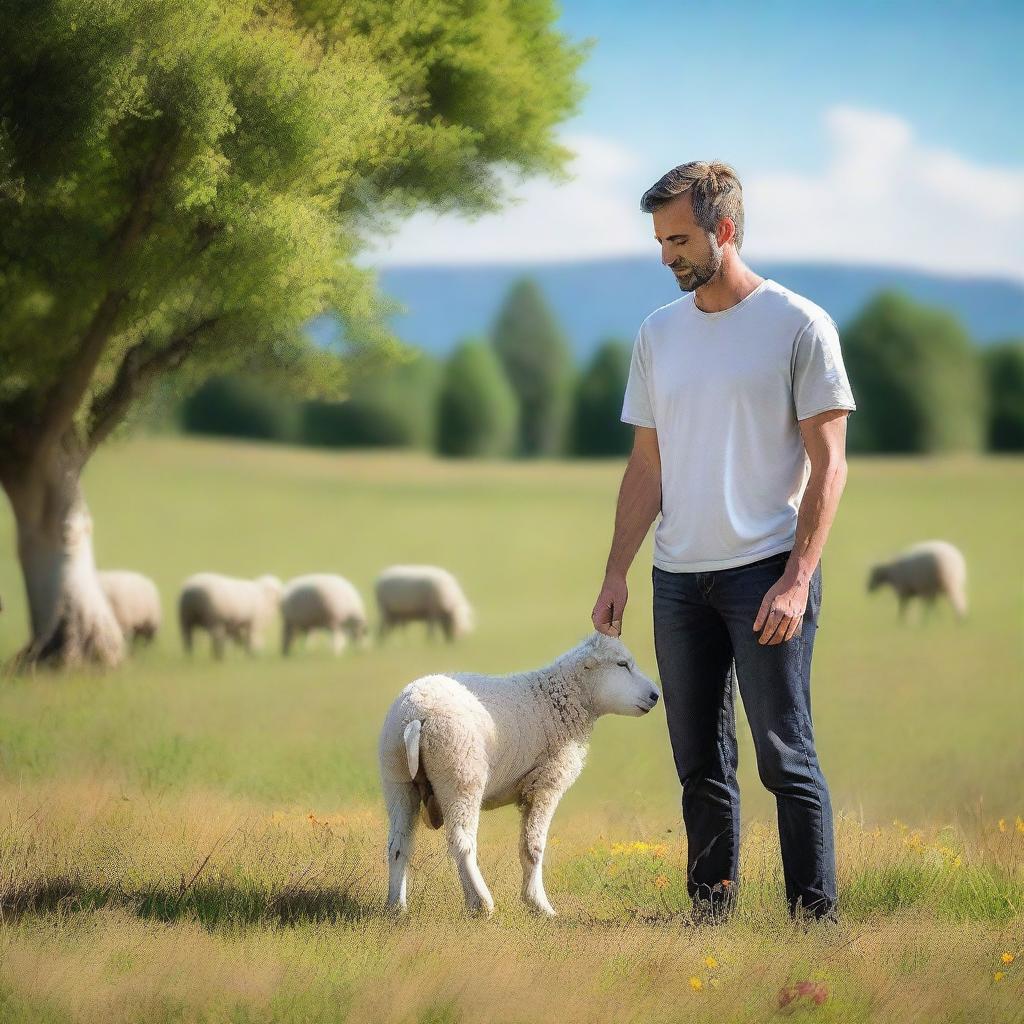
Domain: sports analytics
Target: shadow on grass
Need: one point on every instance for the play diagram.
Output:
(213, 904)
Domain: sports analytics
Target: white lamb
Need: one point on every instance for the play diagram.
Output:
(228, 607)
(422, 593)
(322, 601)
(135, 602)
(925, 570)
(461, 743)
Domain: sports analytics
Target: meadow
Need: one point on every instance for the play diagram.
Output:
(190, 840)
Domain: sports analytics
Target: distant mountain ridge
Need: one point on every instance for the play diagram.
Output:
(609, 298)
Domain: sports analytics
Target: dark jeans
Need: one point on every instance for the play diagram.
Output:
(704, 641)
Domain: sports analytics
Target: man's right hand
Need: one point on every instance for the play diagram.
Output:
(611, 602)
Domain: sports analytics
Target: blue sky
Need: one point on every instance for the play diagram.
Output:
(862, 132)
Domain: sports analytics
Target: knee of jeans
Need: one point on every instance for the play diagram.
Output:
(779, 768)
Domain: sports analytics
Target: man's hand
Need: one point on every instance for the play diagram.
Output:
(607, 613)
(782, 611)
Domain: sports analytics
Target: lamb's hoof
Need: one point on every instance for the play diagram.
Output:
(481, 909)
(541, 909)
(397, 909)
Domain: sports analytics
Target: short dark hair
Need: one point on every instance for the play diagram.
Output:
(715, 192)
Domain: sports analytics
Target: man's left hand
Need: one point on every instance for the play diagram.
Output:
(782, 611)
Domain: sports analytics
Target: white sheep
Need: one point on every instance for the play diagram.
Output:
(459, 743)
(925, 570)
(135, 602)
(322, 601)
(228, 607)
(422, 593)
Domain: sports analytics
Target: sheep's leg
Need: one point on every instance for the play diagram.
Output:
(403, 801)
(286, 639)
(186, 638)
(461, 813)
(904, 601)
(537, 815)
(217, 639)
(338, 639)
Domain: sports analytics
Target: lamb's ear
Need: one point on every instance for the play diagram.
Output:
(590, 661)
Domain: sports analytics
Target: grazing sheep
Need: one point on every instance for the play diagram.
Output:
(228, 607)
(135, 602)
(461, 743)
(925, 570)
(422, 593)
(322, 601)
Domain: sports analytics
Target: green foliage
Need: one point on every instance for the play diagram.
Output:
(916, 378)
(395, 408)
(597, 429)
(239, 407)
(476, 408)
(538, 364)
(206, 170)
(1004, 375)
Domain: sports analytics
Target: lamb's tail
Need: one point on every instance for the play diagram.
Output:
(430, 810)
(412, 746)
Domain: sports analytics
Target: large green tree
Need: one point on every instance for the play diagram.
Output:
(539, 366)
(184, 183)
(916, 377)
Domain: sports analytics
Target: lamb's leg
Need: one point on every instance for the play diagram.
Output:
(537, 815)
(461, 813)
(217, 638)
(338, 639)
(403, 801)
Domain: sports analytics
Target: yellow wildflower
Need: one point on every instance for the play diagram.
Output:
(711, 962)
(958, 861)
(1008, 958)
(661, 882)
(696, 984)
(999, 975)
(1020, 823)
(1002, 824)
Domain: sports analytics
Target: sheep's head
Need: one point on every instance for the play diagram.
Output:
(612, 680)
(877, 577)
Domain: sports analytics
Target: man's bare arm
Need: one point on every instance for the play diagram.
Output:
(638, 504)
(783, 606)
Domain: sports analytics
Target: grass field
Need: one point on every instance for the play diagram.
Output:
(185, 840)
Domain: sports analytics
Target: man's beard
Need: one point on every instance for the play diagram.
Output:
(697, 275)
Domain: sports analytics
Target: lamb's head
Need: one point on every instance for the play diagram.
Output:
(879, 574)
(611, 680)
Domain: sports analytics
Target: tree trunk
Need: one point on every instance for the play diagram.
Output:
(71, 620)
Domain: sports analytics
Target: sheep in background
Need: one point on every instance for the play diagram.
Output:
(461, 743)
(422, 593)
(322, 601)
(135, 602)
(227, 607)
(925, 570)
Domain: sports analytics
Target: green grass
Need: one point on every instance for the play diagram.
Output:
(159, 859)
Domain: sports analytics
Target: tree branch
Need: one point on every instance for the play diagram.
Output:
(141, 364)
(63, 398)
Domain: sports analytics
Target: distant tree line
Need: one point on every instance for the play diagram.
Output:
(921, 385)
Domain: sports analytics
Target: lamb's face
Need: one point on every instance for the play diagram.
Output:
(876, 578)
(617, 686)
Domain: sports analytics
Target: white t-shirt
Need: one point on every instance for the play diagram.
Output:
(725, 391)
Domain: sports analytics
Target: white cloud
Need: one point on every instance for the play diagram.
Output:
(886, 198)
(883, 198)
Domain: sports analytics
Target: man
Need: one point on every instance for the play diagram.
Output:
(739, 399)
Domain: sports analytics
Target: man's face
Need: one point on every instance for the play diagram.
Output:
(691, 253)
